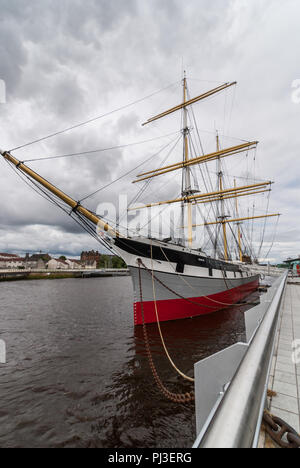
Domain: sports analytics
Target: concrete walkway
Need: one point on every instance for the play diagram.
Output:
(285, 373)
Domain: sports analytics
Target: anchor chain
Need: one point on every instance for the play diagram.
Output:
(175, 397)
(277, 429)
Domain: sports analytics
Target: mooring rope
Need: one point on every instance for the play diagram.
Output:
(175, 397)
(159, 328)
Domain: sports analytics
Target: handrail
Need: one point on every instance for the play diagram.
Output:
(237, 421)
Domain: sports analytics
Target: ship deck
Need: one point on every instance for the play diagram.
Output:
(285, 374)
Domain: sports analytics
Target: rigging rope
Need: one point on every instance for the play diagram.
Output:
(99, 150)
(273, 240)
(77, 217)
(149, 181)
(264, 228)
(127, 173)
(159, 327)
(92, 119)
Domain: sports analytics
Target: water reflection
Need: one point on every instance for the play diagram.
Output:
(77, 374)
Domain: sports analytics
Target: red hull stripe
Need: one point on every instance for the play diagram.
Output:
(174, 309)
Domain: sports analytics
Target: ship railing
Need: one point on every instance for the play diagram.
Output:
(231, 386)
(264, 270)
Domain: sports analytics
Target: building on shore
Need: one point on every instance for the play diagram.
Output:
(11, 261)
(57, 264)
(64, 264)
(294, 265)
(36, 261)
(90, 259)
(74, 264)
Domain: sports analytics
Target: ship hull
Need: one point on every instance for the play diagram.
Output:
(171, 282)
(169, 306)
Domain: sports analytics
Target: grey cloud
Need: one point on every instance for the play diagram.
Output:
(13, 56)
(66, 61)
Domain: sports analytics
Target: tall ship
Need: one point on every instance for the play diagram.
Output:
(176, 277)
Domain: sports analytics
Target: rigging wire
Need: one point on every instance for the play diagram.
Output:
(236, 245)
(247, 243)
(274, 237)
(57, 202)
(38, 189)
(127, 173)
(84, 223)
(99, 150)
(264, 227)
(81, 124)
(145, 187)
(148, 182)
(199, 166)
(231, 110)
(157, 214)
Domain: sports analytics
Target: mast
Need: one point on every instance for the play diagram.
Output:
(76, 206)
(187, 190)
(238, 227)
(189, 196)
(184, 166)
(222, 216)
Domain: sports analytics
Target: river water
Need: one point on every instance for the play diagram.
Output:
(77, 374)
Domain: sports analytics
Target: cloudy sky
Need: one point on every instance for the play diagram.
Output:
(68, 61)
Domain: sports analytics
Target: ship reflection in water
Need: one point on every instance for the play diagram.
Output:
(77, 374)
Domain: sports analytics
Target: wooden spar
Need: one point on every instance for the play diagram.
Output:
(195, 201)
(191, 101)
(65, 198)
(209, 195)
(199, 160)
(227, 197)
(205, 158)
(237, 220)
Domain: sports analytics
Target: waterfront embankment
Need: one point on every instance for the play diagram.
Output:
(17, 275)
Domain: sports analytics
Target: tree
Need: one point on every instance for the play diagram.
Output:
(118, 262)
(109, 261)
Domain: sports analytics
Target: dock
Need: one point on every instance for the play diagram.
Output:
(285, 373)
(248, 395)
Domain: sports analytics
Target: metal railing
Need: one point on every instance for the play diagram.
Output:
(236, 419)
